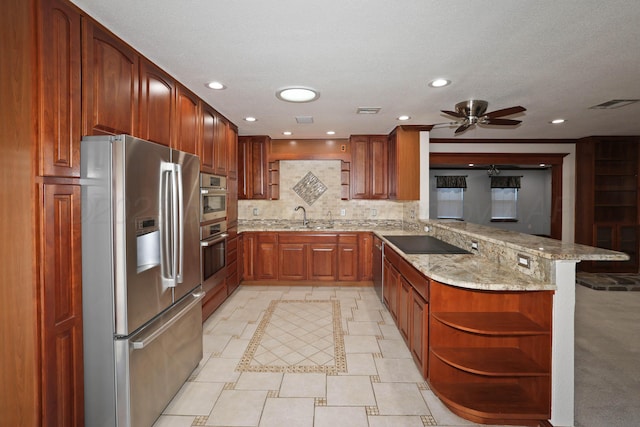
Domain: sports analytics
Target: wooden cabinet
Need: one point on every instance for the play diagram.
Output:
(109, 82)
(208, 123)
(368, 167)
(419, 331)
(348, 257)
(232, 260)
(365, 256)
(252, 167)
(61, 306)
(187, 121)
(232, 153)
(293, 258)
(607, 199)
(156, 104)
(307, 256)
(490, 353)
(323, 262)
(404, 307)
(390, 288)
(60, 86)
(220, 145)
(266, 257)
(249, 243)
(404, 164)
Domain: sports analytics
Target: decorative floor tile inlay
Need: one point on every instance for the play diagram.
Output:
(297, 336)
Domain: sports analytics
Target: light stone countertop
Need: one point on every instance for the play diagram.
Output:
(470, 271)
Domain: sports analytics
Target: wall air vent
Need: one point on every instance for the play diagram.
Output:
(614, 103)
(304, 120)
(368, 110)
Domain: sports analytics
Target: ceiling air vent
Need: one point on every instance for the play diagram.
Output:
(304, 120)
(368, 110)
(614, 103)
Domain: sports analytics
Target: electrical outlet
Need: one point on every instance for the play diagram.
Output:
(524, 261)
(255, 212)
(474, 245)
(374, 212)
(343, 212)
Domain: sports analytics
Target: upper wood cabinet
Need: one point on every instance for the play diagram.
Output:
(404, 164)
(156, 106)
(220, 148)
(187, 120)
(232, 152)
(60, 85)
(208, 120)
(369, 167)
(109, 82)
(252, 167)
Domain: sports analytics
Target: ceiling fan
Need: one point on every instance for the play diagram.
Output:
(472, 112)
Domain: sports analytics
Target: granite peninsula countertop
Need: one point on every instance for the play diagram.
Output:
(464, 270)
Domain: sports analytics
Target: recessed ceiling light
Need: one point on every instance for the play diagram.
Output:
(439, 83)
(215, 85)
(330, 132)
(557, 121)
(471, 165)
(286, 132)
(250, 119)
(297, 94)
(403, 118)
(543, 165)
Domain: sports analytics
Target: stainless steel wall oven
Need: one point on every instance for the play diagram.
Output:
(213, 246)
(213, 197)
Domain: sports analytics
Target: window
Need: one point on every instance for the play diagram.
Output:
(450, 203)
(504, 204)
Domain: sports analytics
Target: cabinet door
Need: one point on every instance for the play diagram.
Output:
(404, 307)
(157, 90)
(232, 202)
(232, 152)
(207, 138)
(244, 167)
(266, 256)
(419, 332)
(109, 83)
(365, 256)
(220, 147)
(249, 247)
(187, 119)
(347, 262)
(360, 183)
(293, 260)
(60, 71)
(390, 288)
(61, 306)
(378, 155)
(258, 172)
(322, 261)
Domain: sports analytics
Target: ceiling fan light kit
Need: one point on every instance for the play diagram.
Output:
(473, 112)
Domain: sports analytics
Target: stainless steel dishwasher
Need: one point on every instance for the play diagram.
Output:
(378, 254)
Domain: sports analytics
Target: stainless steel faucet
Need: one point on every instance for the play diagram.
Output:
(305, 221)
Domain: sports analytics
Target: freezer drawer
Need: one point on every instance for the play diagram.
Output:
(160, 359)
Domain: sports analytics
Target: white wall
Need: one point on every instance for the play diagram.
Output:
(568, 172)
(534, 199)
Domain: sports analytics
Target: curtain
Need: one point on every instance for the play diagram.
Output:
(451, 181)
(505, 181)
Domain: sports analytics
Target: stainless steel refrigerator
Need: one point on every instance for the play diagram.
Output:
(142, 312)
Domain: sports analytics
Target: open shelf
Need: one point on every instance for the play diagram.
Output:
(491, 323)
(497, 362)
(491, 403)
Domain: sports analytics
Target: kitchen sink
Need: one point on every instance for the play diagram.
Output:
(420, 244)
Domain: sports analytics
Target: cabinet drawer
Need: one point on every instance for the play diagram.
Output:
(232, 245)
(417, 280)
(348, 238)
(307, 238)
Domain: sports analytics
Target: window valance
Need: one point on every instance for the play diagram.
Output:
(451, 181)
(505, 181)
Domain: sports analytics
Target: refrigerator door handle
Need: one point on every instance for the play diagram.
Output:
(149, 337)
(179, 228)
(166, 221)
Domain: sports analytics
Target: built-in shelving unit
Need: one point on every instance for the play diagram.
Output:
(490, 353)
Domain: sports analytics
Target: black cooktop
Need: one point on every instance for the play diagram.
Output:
(424, 245)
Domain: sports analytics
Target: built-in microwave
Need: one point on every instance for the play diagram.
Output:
(213, 197)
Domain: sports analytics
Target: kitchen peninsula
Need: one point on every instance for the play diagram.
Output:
(496, 322)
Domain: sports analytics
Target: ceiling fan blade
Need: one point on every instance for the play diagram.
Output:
(501, 122)
(463, 128)
(454, 114)
(506, 112)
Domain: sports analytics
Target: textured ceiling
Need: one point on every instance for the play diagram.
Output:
(555, 58)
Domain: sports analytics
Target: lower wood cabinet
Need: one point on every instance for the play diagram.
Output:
(302, 256)
(490, 353)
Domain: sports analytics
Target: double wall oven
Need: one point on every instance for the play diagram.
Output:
(213, 232)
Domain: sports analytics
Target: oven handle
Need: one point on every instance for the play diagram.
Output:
(215, 190)
(219, 238)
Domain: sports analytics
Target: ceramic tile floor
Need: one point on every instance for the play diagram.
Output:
(269, 361)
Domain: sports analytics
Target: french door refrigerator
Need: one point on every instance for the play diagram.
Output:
(142, 313)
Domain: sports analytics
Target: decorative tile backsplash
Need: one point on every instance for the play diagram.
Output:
(310, 188)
